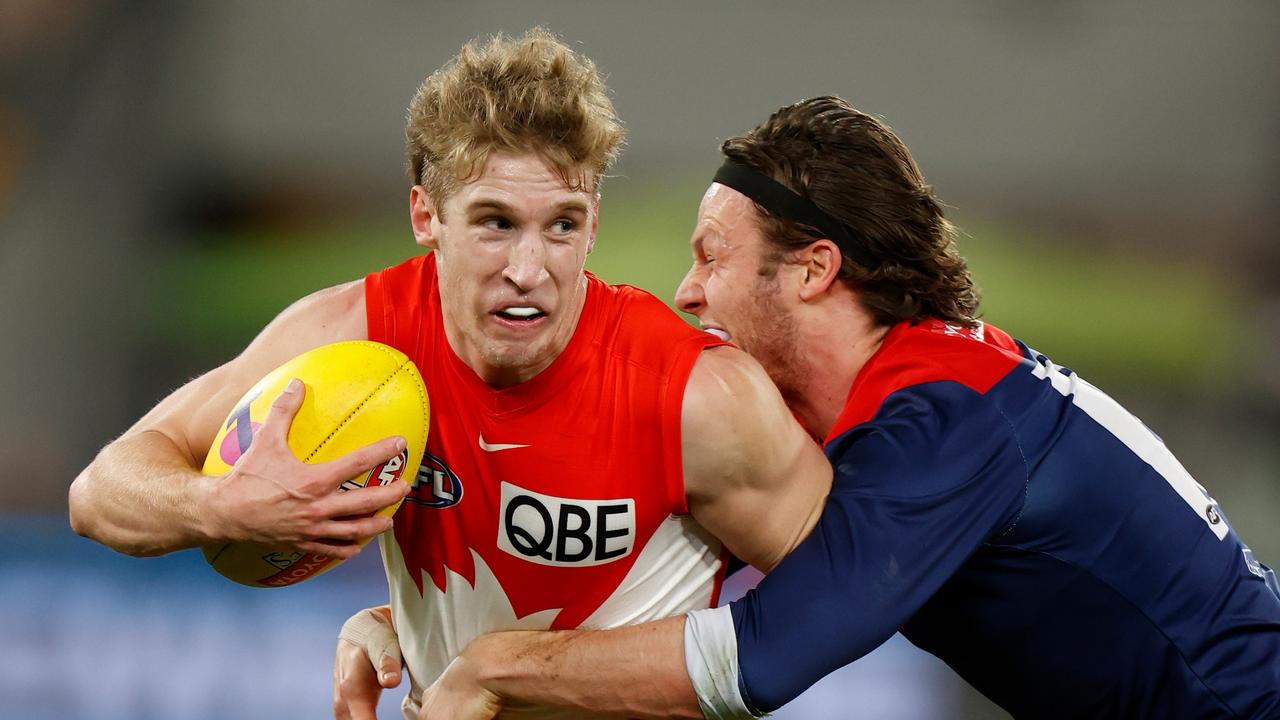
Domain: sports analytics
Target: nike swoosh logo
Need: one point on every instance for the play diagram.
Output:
(495, 447)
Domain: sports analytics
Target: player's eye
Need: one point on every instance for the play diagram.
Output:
(563, 226)
(496, 222)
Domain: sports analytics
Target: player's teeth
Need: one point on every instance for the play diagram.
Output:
(718, 333)
(521, 311)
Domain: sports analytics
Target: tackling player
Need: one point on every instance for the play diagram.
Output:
(1000, 511)
(575, 426)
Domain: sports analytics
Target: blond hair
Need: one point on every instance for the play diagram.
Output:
(525, 94)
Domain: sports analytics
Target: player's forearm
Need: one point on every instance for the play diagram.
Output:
(636, 671)
(140, 496)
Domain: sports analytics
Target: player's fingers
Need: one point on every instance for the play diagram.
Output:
(354, 529)
(389, 672)
(337, 551)
(356, 699)
(341, 704)
(365, 500)
(283, 408)
(362, 709)
(356, 702)
(383, 644)
(356, 679)
(358, 462)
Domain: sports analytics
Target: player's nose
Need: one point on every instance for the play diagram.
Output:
(689, 296)
(527, 262)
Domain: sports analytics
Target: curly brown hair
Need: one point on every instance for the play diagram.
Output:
(525, 94)
(856, 170)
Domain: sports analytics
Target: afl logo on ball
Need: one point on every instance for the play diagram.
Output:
(436, 485)
(380, 474)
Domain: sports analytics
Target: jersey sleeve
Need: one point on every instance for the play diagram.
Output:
(917, 489)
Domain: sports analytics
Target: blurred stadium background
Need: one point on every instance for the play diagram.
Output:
(172, 174)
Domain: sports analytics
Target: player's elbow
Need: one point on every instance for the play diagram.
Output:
(86, 515)
(79, 507)
(87, 518)
(764, 692)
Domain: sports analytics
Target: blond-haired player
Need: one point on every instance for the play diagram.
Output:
(578, 429)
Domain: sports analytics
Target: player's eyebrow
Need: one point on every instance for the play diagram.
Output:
(565, 206)
(574, 205)
(695, 244)
(489, 204)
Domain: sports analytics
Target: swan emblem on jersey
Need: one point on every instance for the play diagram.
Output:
(673, 572)
(436, 486)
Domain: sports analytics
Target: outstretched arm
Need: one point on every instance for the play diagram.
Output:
(921, 486)
(144, 493)
(635, 671)
(753, 478)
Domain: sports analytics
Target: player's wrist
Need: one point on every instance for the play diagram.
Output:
(475, 674)
(209, 522)
(486, 660)
(497, 664)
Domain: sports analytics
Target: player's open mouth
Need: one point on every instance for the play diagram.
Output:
(718, 332)
(519, 315)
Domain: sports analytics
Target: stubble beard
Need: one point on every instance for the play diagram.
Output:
(774, 342)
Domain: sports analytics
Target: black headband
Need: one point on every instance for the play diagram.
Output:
(781, 201)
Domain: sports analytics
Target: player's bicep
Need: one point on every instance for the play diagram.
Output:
(189, 417)
(753, 477)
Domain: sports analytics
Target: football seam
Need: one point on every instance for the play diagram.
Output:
(356, 410)
(421, 387)
(213, 560)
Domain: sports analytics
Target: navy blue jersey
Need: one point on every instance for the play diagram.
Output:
(1016, 522)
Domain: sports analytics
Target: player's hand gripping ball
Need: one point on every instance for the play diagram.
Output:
(357, 393)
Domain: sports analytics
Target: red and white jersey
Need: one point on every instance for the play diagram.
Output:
(556, 503)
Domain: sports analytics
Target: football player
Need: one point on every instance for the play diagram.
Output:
(997, 509)
(589, 451)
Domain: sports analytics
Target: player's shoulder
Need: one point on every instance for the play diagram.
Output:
(735, 428)
(636, 304)
(975, 356)
(727, 388)
(413, 272)
(398, 299)
(634, 324)
(947, 362)
(728, 391)
(921, 420)
(332, 314)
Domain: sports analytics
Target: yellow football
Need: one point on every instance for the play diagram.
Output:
(357, 393)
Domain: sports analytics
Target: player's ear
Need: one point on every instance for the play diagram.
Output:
(821, 262)
(424, 218)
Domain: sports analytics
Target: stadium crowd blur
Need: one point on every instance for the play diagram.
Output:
(173, 174)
